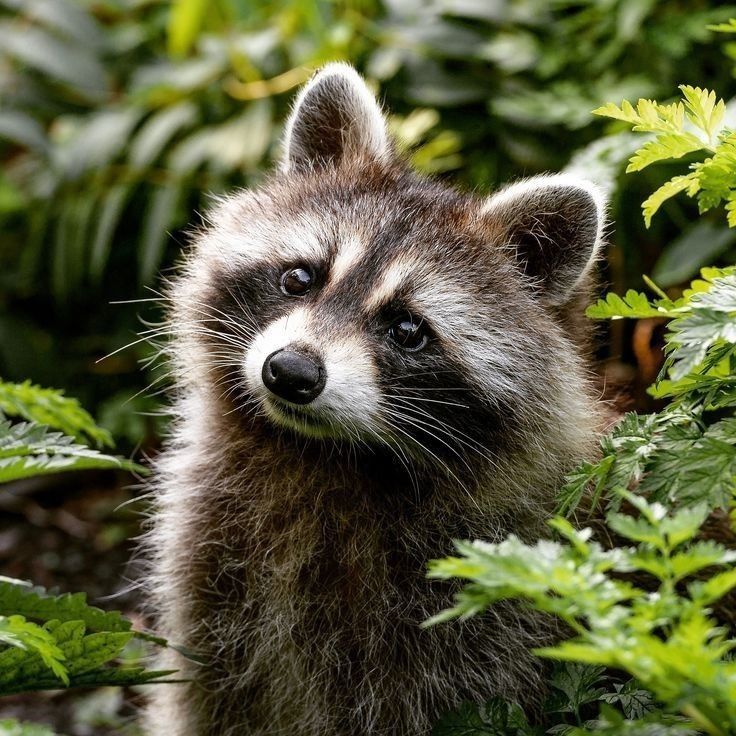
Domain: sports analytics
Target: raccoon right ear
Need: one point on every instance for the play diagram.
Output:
(335, 114)
(554, 224)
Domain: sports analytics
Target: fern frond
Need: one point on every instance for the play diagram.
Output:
(29, 450)
(50, 407)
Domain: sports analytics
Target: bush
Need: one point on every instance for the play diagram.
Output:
(643, 606)
(50, 641)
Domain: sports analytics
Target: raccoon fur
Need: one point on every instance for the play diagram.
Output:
(368, 365)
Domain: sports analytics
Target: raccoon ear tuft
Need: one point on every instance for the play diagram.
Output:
(335, 114)
(555, 223)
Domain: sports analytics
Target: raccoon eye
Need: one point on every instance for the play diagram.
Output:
(296, 281)
(409, 332)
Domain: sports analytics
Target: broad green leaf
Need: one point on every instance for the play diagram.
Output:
(159, 217)
(158, 131)
(70, 63)
(185, 22)
(699, 245)
(23, 129)
(111, 209)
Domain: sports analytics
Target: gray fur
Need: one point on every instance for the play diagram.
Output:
(288, 551)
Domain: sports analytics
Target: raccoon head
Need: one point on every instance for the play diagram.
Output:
(350, 298)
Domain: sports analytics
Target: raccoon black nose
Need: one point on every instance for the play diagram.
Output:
(293, 376)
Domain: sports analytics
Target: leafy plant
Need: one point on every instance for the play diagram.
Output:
(644, 604)
(59, 640)
(681, 128)
(666, 639)
(31, 448)
(49, 641)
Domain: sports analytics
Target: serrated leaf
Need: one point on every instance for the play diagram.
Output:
(669, 189)
(704, 110)
(50, 407)
(632, 304)
(28, 450)
(664, 146)
(39, 605)
(31, 638)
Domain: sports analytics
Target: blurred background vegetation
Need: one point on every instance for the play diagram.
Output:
(119, 119)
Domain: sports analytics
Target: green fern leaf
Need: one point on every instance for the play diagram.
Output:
(15, 631)
(648, 116)
(50, 407)
(632, 304)
(704, 110)
(36, 604)
(28, 450)
(729, 27)
(669, 189)
(664, 146)
(21, 671)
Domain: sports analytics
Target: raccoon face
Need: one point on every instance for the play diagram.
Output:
(350, 298)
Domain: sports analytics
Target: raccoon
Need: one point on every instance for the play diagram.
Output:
(369, 364)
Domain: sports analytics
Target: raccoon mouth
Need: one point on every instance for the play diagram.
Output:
(296, 417)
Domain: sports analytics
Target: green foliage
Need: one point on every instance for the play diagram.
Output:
(712, 180)
(687, 451)
(665, 637)
(28, 450)
(644, 603)
(11, 727)
(50, 407)
(49, 641)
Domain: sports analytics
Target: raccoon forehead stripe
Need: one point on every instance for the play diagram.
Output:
(349, 252)
(395, 275)
(298, 243)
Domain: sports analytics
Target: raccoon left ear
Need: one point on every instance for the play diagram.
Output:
(335, 114)
(555, 224)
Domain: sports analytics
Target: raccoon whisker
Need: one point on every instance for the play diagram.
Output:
(414, 375)
(426, 427)
(439, 460)
(139, 301)
(148, 388)
(406, 397)
(430, 388)
(243, 304)
(129, 345)
(450, 432)
(225, 337)
(453, 432)
(228, 319)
